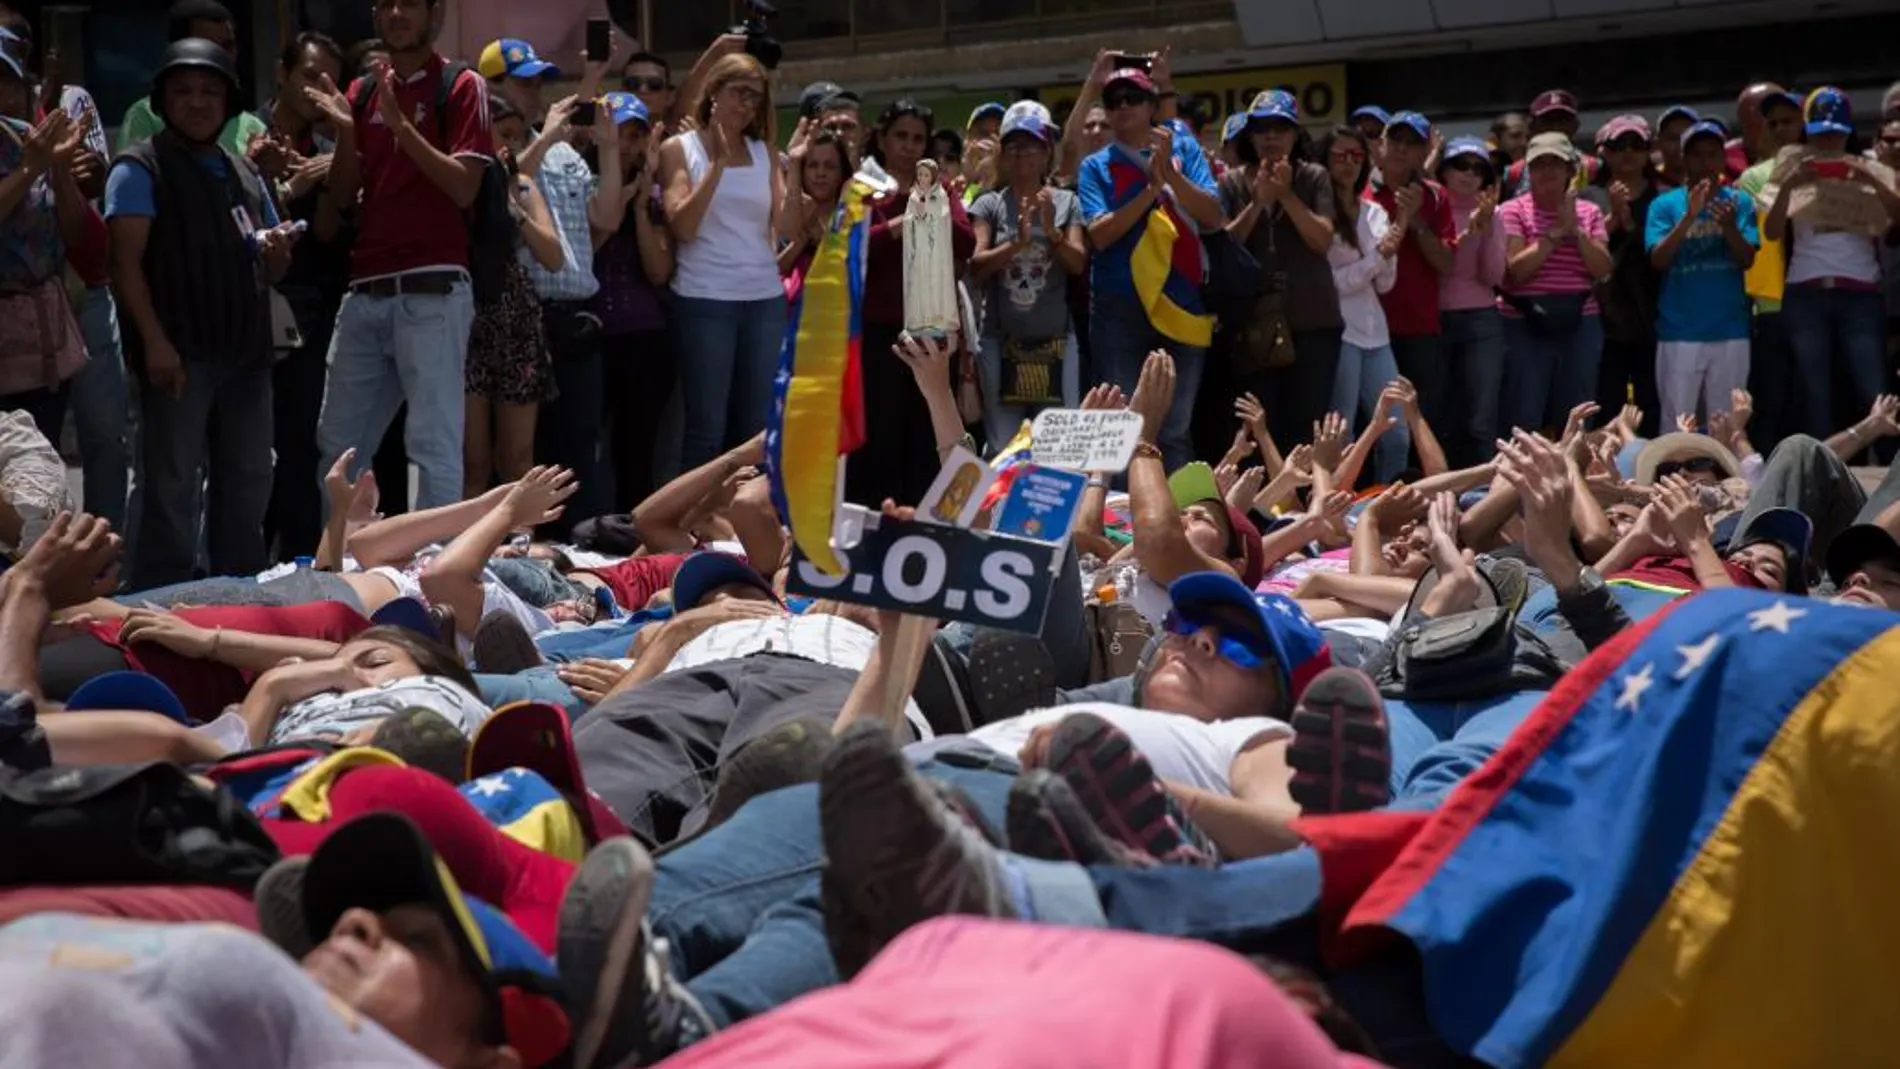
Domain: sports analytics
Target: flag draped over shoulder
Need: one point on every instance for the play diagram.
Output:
(1167, 263)
(1685, 857)
(818, 401)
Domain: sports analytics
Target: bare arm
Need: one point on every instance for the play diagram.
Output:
(546, 242)
(458, 176)
(399, 538)
(663, 514)
(686, 201)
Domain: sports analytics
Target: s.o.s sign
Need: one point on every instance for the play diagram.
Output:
(948, 573)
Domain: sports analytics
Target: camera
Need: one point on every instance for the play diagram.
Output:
(759, 42)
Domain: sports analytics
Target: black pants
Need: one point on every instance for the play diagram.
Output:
(47, 407)
(219, 426)
(653, 752)
(568, 429)
(392, 467)
(641, 374)
(1421, 358)
(1630, 367)
(295, 520)
(899, 458)
(1771, 382)
(1298, 395)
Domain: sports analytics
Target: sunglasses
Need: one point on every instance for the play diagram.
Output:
(1465, 163)
(1697, 466)
(1348, 155)
(634, 84)
(1629, 144)
(1125, 98)
(1238, 650)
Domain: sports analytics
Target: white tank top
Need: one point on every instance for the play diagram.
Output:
(732, 258)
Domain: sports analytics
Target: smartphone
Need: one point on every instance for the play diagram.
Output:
(1144, 61)
(600, 45)
(584, 113)
(1830, 168)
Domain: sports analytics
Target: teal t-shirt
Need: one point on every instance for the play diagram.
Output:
(1702, 296)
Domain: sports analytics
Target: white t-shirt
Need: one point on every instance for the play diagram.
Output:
(332, 716)
(1182, 750)
(91, 991)
(1832, 254)
(496, 597)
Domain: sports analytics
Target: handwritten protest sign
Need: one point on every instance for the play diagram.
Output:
(1085, 441)
(1829, 203)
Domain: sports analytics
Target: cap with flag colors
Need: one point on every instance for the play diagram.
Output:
(515, 58)
(1683, 857)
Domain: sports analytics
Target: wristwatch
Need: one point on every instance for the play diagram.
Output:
(1588, 583)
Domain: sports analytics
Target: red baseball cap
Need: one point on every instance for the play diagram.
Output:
(1554, 100)
(536, 736)
(1134, 76)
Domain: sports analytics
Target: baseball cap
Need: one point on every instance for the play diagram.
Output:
(515, 58)
(984, 111)
(1704, 128)
(624, 108)
(1298, 647)
(536, 736)
(1828, 112)
(1235, 125)
(1779, 97)
(1134, 76)
(135, 691)
(1622, 125)
(1373, 111)
(703, 573)
(1677, 111)
(1786, 526)
(1194, 483)
(1027, 122)
(1030, 107)
(1550, 145)
(811, 100)
(1466, 145)
(1859, 545)
(409, 613)
(1413, 121)
(380, 861)
(1554, 100)
(1274, 104)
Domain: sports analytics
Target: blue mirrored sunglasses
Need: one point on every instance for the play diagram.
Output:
(1236, 649)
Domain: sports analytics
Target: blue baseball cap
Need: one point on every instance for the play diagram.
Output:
(1413, 121)
(1677, 111)
(1235, 125)
(1780, 96)
(1274, 104)
(1373, 111)
(1467, 145)
(1705, 128)
(515, 58)
(702, 573)
(624, 108)
(1026, 122)
(129, 690)
(984, 111)
(408, 613)
(1297, 646)
(1828, 112)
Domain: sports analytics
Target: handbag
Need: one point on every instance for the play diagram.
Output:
(40, 343)
(1550, 315)
(1468, 656)
(1233, 276)
(1032, 372)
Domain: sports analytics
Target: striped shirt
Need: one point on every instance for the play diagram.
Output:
(568, 186)
(1563, 272)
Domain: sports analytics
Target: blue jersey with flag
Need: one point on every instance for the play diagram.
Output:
(1113, 177)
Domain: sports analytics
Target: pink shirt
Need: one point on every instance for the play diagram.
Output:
(1287, 579)
(1563, 272)
(1477, 267)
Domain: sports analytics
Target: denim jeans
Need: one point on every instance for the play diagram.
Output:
(1123, 338)
(740, 904)
(101, 409)
(1001, 421)
(1361, 377)
(388, 350)
(1829, 329)
(177, 444)
(1437, 744)
(539, 684)
(1474, 356)
(1546, 375)
(728, 356)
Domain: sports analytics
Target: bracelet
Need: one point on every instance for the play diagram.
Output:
(1096, 482)
(1148, 449)
(217, 637)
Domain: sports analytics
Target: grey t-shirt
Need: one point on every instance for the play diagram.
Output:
(1027, 301)
(91, 991)
(1312, 303)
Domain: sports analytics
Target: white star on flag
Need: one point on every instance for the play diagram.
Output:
(1775, 617)
(1634, 686)
(1696, 655)
(489, 786)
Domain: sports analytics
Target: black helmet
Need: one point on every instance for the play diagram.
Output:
(196, 53)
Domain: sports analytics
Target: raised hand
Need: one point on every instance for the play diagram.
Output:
(1161, 162)
(1722, 210)
(1699, 195)
(540, 496)
(331, 101)
(1226, 474)
(388, 104)
(74, 561)
(1685, 422)
(1399, 505)
(927, 358)
(1329, 441)
(1884, 417)
(1104, 397)
(1741, 409)
(1154, 394)
(800, 144)
(1681, 509)
(1485, 212)
(1247, 407)
(1535, 469)
(1246, 488)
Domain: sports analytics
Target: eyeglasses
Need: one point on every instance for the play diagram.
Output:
(1629, 144)
(746, 93)
(1696, 466)
(1238, 651)
(1125, 98)
(1464, 163)
(636, 84)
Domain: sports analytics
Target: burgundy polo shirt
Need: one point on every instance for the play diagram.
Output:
(405, 221)
(1411, 305)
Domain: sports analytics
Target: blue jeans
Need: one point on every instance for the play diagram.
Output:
(1122, 337)
(740, 904)
(101, 409)
(1548, 374)
(534, 685)
(1362, 375)
(1474, 351)
(1001, 421)
(605, 641)
(1829, 329)
(388, 350)
(1436, 744)
(728, 356)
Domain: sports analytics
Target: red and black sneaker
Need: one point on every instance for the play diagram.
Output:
(1341, 752)
(1047, 821)
(1122, 794)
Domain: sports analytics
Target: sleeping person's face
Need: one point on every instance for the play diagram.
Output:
(374, 663)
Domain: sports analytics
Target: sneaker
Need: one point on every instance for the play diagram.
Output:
(1121, 793)
(278, 899)
(1341, 752)
(502, 645)
(898, 853)
(791, 753)
(1047, 821)
(626, 1004)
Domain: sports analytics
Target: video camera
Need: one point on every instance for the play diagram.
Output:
(759, 42)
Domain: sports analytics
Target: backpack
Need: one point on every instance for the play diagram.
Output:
(1118, 637)
(492, 231)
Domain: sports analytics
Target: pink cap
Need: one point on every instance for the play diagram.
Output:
(1621, 125)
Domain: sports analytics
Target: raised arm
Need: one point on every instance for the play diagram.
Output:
(454, 577)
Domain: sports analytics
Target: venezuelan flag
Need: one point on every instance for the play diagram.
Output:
(1167, 261)
(1010, 459)
(818, 403)
(1686, 856)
